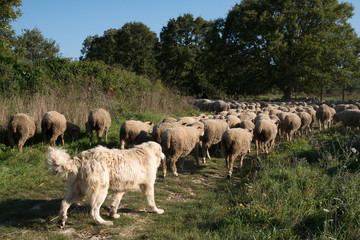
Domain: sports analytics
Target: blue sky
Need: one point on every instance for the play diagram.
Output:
(69, 22)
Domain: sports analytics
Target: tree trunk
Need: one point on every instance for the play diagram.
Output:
(343, 94)
(287, 94)
(321, 95)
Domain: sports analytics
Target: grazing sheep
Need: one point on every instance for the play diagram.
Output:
(306, 120)
(213, 130)
(54, 124)
(235, 142)
(72, 130)
(348, 117)
(99, 120)
(290, 125)
(178, 142)
(187, 120)
(21, 126)
(95, 171)
(265, 132)
(134, 132)
(324, 114)
(160, 128)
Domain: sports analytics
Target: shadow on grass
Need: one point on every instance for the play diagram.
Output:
(32, 213)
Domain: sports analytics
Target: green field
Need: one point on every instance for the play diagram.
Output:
(305, 189)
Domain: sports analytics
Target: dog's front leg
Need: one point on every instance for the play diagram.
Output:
(115, 202)
(148, 191)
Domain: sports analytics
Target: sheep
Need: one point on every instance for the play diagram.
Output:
(169, 119)
(22, 126)
(247, 124)
(232, 120)
(178, 142)
(235, 142)
(306, 120)
(72, 130)
(312, 113)
(290, 125)
(53, 123)
(99, 120)
(324, 114)
(213, 130)
(160, 128)
(265, 132)
(187, 120)
(220, 105)
(134, 132)
(349, 117)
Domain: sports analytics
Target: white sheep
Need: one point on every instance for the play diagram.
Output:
(99, 120)
(265, 132)
(21, 126)
(235, 142)
(134, 132)
(54, 124)
(178, 142)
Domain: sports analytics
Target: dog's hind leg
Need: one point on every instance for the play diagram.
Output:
(65, 204)
(148, 191)
(97, 198)
(115, 202)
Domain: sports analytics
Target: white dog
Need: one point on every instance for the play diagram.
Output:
(96, 170)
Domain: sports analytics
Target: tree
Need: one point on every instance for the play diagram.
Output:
(290, 44)
(181, 46)
(132, 46)
(32, 45)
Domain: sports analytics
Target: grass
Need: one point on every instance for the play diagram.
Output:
(305, 189)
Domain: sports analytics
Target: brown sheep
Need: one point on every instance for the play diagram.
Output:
(72, 130)
(21, 126)
(235, 142)
(54, 124)
(134, 132)
(160, 128)
(99, 120)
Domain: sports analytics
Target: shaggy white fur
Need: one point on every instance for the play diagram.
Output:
(96, 170)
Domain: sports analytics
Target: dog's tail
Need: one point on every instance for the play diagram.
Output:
(61, 163)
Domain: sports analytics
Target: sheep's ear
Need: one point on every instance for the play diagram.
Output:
(184, 124)
(250, 130)
(150, 123)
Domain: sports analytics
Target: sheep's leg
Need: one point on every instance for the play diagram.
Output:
(204, 152)
(21, 143)
(163, 163)
(122, 143)
(53, 139)
(241, 160)
(115, 202)
(181, 164)
(43, 133)
(196, 154)
(319, 125)
(91, 136)
(99, 134)
(231, 164)
(106, 135)
(62, 139)
(173, 160)
(148, 191)
(71, 197)
(11, 140)
(227, 161)
(97, 198)
(257, 147)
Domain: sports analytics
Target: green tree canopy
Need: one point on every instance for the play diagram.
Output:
(181, 46)
(291, 44)
(32, 45)
(132, 46)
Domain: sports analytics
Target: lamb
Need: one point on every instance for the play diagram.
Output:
(213, 130)
(264, 134)
(178, 142)
(21, 126)
(72, 130)
(324, 114)
(53, 123)
(99, 120)
(306, 120)
(134, 132)
(160, 128)
(235, 142)
(93, 172)
(290, 125)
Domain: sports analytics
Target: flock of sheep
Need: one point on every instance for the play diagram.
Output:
(232, 128)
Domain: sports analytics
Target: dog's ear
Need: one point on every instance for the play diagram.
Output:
(51, 149)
